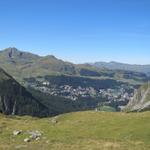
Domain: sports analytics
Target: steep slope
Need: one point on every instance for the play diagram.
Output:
(141, 99)
(14, 99)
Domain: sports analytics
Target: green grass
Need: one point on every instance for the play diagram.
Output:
(106, 109)
(79, 131)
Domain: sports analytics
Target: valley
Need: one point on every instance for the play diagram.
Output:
(65, 87)
(107, 91)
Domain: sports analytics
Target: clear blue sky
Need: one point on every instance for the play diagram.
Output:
(78, 30)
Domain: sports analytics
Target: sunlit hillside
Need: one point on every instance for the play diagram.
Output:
(78, 131)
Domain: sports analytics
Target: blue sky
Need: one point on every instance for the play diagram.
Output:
(78, 30)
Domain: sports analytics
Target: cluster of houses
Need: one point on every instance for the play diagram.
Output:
(119, 93)
(122, 93)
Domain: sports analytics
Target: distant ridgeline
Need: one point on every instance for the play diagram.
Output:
(22, 65)
(121, 66)
(50, 86)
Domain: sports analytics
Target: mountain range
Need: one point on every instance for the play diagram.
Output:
(52, 86)
(22, 65)
(122, 66)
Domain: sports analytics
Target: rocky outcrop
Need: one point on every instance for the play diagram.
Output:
(141, 99)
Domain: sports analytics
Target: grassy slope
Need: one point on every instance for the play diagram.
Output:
(80, 131)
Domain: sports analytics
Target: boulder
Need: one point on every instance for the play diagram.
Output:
(27, 140)
(17, 132)
(35, 134)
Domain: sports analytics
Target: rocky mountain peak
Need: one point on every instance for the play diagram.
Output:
(11, 52)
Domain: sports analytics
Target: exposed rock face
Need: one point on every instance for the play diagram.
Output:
(15, 100)
(141, 99)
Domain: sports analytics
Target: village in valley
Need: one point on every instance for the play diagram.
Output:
(120, 94)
